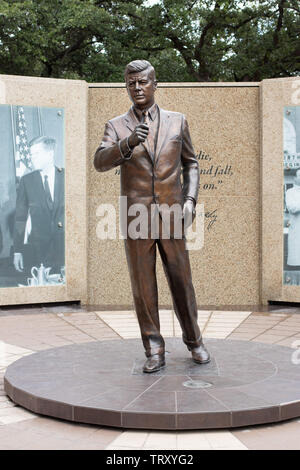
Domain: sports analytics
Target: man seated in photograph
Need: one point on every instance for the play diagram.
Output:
(40, 197)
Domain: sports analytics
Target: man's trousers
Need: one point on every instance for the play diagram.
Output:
(141, 260)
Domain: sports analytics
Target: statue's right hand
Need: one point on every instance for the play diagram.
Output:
(18, 262)
(139, 135)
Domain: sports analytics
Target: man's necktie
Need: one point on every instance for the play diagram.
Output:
(145, 118)
(48, 193)
(150, 138)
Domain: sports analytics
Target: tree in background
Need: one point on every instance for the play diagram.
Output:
(186, 40)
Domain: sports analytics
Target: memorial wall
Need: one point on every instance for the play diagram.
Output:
(280, 189)
(224, 126)
(30, 236)
(247, 140)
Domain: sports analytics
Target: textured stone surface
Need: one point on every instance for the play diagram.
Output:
(224, 124)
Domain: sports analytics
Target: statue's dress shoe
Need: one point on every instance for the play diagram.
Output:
(154, 363)
(200, 354)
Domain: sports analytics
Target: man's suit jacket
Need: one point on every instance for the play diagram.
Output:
(47, 227)
(146, 180)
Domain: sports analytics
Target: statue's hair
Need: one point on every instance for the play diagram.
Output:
(48, 142)
(139, 66)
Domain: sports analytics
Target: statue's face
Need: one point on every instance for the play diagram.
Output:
(141, 88)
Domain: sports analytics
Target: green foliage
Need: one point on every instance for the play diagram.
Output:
(186, 40)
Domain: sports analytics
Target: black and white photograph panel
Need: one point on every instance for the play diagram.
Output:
(291, 226)
(32, 196)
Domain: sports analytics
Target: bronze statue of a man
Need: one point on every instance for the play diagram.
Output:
(151, 145)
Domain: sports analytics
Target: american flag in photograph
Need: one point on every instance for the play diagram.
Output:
(23, 159)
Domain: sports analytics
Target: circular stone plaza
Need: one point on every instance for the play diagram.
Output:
(78, 381)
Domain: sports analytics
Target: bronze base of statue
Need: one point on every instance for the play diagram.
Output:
(156, 362)
(245, 383)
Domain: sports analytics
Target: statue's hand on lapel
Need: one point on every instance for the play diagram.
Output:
(139, 135)
(188, 213)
